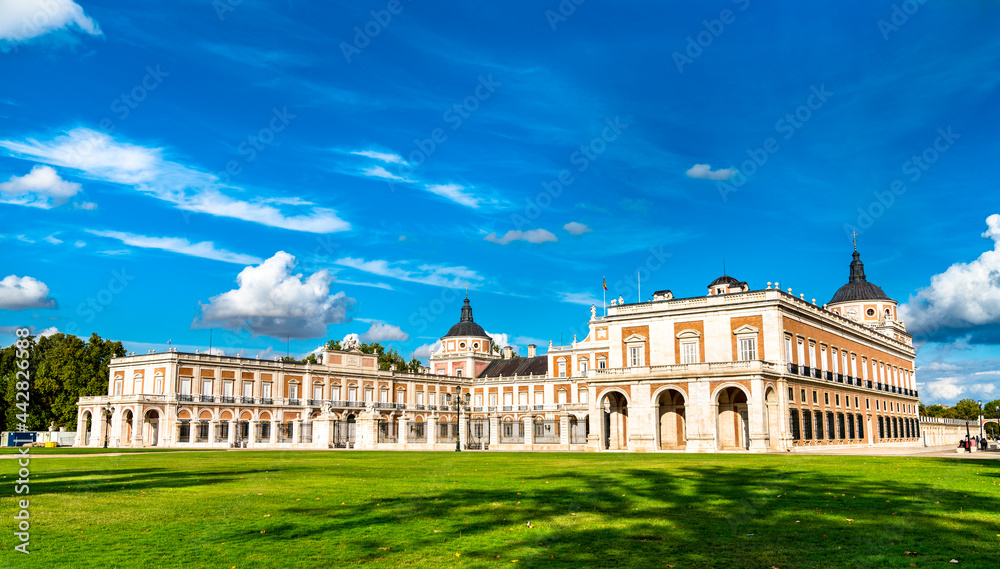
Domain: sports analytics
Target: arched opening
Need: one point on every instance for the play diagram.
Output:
(732, 421)
(127, 425)
(615, 423)
(88, 427)
(579, 430)
(672, 426)
(772, 421)
(151, 428)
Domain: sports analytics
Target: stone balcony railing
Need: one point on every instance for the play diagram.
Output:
(688, 370)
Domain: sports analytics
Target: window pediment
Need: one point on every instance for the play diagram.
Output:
(635, 338)
(746, 329)
(689, 334)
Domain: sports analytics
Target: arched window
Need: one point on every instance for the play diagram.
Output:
(458, 373)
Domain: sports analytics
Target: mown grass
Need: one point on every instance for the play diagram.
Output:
(336, 509)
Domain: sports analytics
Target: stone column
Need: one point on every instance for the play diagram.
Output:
(494, 430)
(463, 422)
(211, 432)
(431, 428)
(192, 430)
(96, 428)
(365, 435)
(529, 432)
(233, 425)
(564, 432)
(252, 442)
(137, 426)
(296, 431)
(401, 430)
(274, 433)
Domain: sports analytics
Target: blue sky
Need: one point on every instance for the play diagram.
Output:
(287, 172)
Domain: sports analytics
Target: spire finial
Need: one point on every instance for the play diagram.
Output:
(854, 236)
(467, 284)
(723, 265)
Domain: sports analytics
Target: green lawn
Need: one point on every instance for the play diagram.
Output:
(336, 509)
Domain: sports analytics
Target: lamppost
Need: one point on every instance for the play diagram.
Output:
(108, 412)
(459, 401)
(980, 419)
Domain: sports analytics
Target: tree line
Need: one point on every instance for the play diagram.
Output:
(61, 369)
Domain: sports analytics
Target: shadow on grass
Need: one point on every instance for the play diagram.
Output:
(726, 515)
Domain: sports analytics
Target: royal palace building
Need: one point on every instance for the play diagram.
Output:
(733, 370)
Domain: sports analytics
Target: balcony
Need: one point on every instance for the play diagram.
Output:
(817, 373)
(266, 401)
(315, 402)
(227, 399)
(828, 375)
(507, 408)
(206, 398)
(185, 397)
(793, 368)
(805, 370)
(246, 400)
(840, 378)
(696, 369)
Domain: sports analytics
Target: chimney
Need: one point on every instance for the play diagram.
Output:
(508, 352)
(531, 350)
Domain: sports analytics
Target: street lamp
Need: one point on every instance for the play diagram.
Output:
(459, 401)
(980, 419)
(108, 411)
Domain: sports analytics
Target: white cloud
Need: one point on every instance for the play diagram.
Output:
(453, 192)
(584, 298)
(26, 19)
(12, 330)
(272, 301)
(53, 239)
(382, 332)
(434, 275)
(101, 157)
(380, 172)
(19, 293)
(705, 172)
(41, 187)
(426, 350)
(204, 249)
(966, 295)
(383, 156)
(531, 236)
(575, 228)
(80, 244)
(942, 389)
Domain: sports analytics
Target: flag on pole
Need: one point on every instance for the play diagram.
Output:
(605, 284)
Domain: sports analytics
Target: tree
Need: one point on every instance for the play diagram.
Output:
(966, 410)
(333, 345)
(414, 366)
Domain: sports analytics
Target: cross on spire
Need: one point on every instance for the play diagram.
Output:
(466, 290)
(854, 236)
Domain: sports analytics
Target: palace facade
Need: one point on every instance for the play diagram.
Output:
(734, 370)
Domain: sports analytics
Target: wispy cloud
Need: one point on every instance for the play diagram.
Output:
(576, 228)
(434, 275)
(101, 157)
(455, 193)
(380, 172)
(203, 249)
(584, 298)
(531, 236)
(387, 157)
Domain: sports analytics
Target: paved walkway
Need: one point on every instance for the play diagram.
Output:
(947, 451)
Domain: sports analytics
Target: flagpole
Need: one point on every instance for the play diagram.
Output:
(604, 291)
(638, 280)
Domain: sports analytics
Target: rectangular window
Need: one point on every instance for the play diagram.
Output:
(836, 369)
(185, 386)
(317, 392)
(370, 395)
(478, 400)
(819, 425)
(864, 368)
(831, 432)
(748, 349)
(266, 391)
(539, 398)
(837, 398)
(815, 400)
(352, 393)
(563, 396)
(583, 366)
(584, 395)
(562, 368)
(247, 389)
(522, 398)
(689, 352)
(856, 405)
(791, 395)
(493, 399)
(854, 365)
(227, 388)
(868, 403)
(118, 387)
(788, 349)
(826, 398)
(807, 427)
(843, 363)
(383, 396)
(794, 419)
(634, 356)
(293, 391)
(206, 387)
(508, 398)
(158, 385)
(822, 358)
(602, 363)
(420, 398)
(803, 395)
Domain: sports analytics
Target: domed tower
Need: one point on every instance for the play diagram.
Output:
(726, 285)
(862, 301)
(465, 349)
